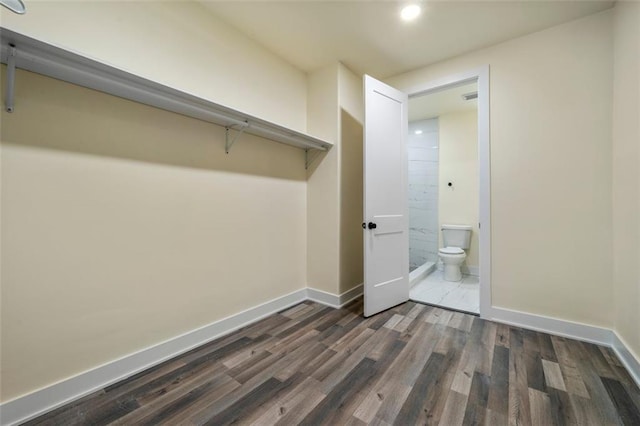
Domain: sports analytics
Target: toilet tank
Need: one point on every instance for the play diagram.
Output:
(456, 236)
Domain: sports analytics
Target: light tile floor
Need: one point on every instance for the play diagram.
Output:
(434, 290)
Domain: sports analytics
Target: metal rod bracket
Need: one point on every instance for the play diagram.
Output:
(230, 141)
(309, 159)
(11, 78)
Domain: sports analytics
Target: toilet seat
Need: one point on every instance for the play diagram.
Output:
(451, 250)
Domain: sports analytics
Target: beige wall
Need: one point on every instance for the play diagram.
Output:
(351, 203)
(350, 92)
(626, 176)
(117, 218)
(351, 179)
(458, 164)
(323, 210)
(334, 198)
(124, 226)
(551, 97)
(180, 44)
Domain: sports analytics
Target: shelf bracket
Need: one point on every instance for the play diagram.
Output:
(11, 78)
(229, 142)
(309, 159)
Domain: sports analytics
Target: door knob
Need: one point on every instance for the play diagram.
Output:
(372, 225)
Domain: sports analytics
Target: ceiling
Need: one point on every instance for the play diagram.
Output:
(368, 36)
(443, 102)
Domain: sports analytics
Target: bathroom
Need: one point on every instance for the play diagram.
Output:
(444, 193)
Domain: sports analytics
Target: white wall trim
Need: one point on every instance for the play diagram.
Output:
(481, 75)
(333, 300)
(352, 294)
(574, 330)
(34, 404)
(46, 399)
(470, 270)
(323, 297)
(421, 272)
(629, 360)
(465, 269)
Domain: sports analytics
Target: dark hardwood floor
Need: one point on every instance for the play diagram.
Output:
(413, 364)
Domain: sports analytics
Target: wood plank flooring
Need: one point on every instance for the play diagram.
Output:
(413, 364)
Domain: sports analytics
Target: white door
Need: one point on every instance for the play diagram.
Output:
(386, 233)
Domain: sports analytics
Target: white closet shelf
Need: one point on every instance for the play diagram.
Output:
(20, 51)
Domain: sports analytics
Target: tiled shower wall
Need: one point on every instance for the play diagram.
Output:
(423, 192)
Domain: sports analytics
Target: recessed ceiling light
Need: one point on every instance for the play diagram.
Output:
(418, 132)
(410, 12)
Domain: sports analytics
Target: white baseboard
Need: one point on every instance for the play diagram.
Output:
(421, 272)
(574, 330)
(629, 360)
(330, 299)
(465, 269)
(41, 401)
(323, 297)
(352, 294)
(470, 270)
(34, 404)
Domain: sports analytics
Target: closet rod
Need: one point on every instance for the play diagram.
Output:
(43, 58)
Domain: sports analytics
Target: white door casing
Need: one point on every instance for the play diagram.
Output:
(481, 75)
(386, 233)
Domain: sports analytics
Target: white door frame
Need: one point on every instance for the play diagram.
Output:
(481, 75)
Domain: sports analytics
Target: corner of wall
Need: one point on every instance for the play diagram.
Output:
(350, 171)
(323, 210)
(626, 178)
(351, 93)
(334, 186)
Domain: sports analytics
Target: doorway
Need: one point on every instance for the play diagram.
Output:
(379, 96)
(442, 151)
(477, 266)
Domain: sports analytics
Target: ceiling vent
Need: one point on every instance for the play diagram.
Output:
(470, 96)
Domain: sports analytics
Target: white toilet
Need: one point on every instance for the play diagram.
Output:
(456, 239)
